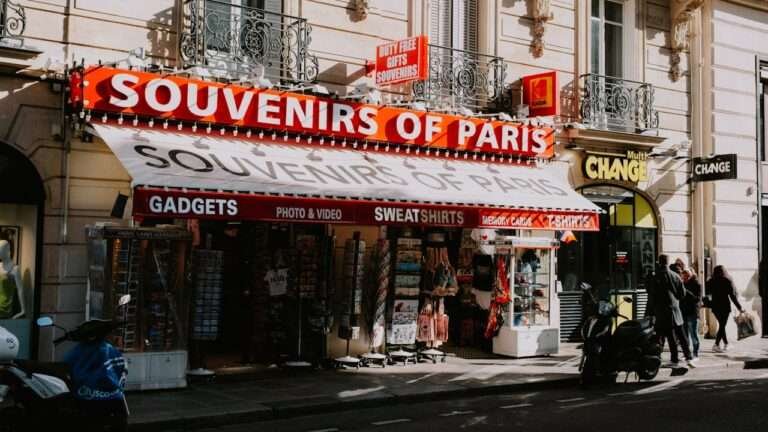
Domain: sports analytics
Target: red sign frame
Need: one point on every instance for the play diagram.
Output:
(402, 61)
(177, 98)
(154, 203)
(542, 94)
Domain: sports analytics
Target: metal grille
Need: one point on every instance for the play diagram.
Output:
(610, 103)
(241, 40)
(13, 20)
(459, 78)
(570, 316)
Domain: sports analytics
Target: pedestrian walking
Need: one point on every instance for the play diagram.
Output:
(690, 306)
(720, 287)
(664, 297)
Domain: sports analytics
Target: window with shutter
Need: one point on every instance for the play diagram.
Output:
(453, 24)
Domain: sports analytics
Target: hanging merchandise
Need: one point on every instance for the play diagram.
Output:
(206, 316)
(501, 298)
(307, 265)
(407, 284)
(379, 287)
(354, 255)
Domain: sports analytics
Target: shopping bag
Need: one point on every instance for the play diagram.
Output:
(745, 323)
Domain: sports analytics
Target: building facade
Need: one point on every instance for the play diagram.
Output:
(643, 84)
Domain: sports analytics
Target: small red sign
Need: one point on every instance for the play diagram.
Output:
(402, 61)
(542, 94)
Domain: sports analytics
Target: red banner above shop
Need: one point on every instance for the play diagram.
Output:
(402, 61)
(176, 98)
(154, 203)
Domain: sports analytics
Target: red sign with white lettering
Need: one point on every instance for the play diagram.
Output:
(402, 61)
(216, 205)
(176, 98)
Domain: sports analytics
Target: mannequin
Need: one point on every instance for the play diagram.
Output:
(10, 283)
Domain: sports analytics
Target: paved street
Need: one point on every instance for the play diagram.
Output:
(715, 399)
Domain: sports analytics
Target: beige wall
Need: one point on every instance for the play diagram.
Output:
(736, 35)
(87, 181)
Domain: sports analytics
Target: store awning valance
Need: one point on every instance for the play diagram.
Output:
(210, 176)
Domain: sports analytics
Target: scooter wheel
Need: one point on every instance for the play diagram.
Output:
(648, 374)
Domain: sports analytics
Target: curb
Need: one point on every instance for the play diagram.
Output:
(299, 408)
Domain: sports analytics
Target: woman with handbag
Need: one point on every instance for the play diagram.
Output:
(690, 305)
(722, 292)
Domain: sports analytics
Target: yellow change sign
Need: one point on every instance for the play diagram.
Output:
(630, 168)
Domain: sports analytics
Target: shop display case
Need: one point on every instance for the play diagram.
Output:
(150, 264)
(528, 329)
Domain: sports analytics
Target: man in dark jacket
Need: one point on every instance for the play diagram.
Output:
(664, 297)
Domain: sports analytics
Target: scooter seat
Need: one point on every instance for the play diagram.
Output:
(55, 369)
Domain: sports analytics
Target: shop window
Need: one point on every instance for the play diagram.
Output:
(621, 255)
(21, 199)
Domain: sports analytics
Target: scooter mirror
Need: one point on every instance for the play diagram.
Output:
(124, 300)
(628, 299)
(44, 321)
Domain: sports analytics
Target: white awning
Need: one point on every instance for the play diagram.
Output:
(162, 159)
(213, 163)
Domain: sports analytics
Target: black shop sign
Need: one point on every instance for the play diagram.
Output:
(720, 167)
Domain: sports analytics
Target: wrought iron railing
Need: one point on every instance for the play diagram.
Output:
(13, 20)
(240, 40)
(460, 78)
(610, 103)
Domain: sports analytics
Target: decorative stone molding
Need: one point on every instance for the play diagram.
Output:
(361, 8)
(541, 14)
(681, 12)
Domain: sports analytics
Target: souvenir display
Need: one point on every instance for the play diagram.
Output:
(206, 313)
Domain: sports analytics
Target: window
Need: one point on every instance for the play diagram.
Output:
(238, 34)
(453, 24)
(607, 39)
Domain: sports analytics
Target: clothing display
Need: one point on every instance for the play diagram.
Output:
(7, 294)
(277, 280)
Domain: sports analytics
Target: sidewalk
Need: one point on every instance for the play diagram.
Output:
(283, 393)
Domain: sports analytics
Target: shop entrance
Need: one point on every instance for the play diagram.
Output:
(21, 200)
(261, 291)
(617, 259)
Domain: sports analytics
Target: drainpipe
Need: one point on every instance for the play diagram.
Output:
(67, 144)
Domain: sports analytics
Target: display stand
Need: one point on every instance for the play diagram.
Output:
(438, 282)
(354, 286)
(306, 251)
(404, 310)
(207, 307)
(527, 330)
(150, 265)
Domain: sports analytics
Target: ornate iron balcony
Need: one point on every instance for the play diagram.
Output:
(13, 20)
(610, 103)
(460, 78)
(238, 40)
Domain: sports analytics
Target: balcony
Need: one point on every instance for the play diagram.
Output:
(462, 79)
(618, 105)
(235, 41)
(13, 21)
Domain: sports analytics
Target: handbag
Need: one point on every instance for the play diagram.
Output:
(706, 301)
(745, 323)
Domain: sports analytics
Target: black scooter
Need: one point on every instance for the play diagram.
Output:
(632, 348)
